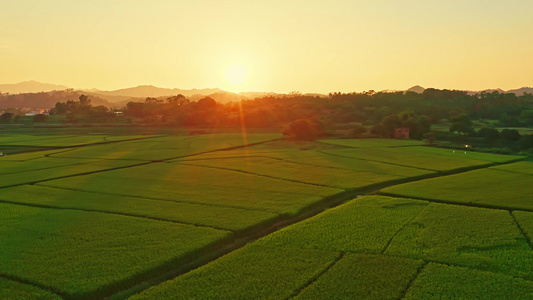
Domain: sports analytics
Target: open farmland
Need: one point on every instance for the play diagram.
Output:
(91, 217)
(384, 248)
(478, 188)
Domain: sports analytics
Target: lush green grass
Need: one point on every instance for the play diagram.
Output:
(13, 290)
(448, 282)
(362, 225)
(166, 147)
(57, 172)
(363, 276)
(487, 187)
(253, 272)
(372, 142)
(218, 217)
(201, 185)
(86, 254)
(482, 238)
(416, 157)
(523, 167)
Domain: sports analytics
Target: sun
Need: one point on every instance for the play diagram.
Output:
(236, 74)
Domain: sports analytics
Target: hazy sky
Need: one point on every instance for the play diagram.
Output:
(308, 46)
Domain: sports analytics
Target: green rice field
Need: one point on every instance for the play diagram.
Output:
(115, 214)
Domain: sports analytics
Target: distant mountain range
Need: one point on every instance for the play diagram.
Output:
(119, 98)
(153, 91)
(518, 92)
(31, 86)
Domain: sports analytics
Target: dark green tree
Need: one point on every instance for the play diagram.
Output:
(462, 124)
(510, 135)
(303, 129)
(489, 133)
(6, 117)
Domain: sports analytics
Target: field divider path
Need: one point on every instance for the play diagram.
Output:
(387, 245)
(110, 213)
(426, 260)
(418, 271)
(350, 147)
(131, 166)
(35, 284)
(378, 161)
(469, 204)
(78, 174)
(156, 199)
(261, 175)
(275, 158)
(528, 240)
(54, 167)
(48, 148)
(316, 277)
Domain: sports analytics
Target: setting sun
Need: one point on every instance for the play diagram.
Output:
(236, 74)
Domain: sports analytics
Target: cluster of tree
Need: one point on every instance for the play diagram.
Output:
(385, 111)
(507, 135)
(43, 100)
(419, 125)
(82, 110)
(304, 129)
(8, 117)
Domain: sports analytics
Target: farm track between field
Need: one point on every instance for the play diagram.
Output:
(476, 205)
(157, 199)
(418, 271)
(411, 281)
(84, 145)
(387, 245)
(373, 160)
(284, 221)
(528, 240)
(35, 284)
(109, 212)
(315, 278)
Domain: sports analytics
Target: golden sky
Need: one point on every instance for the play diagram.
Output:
(280, 46)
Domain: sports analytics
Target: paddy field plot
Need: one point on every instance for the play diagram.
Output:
(61, 140)
(41, 172)
(100, 218)
(490, 187)
(227, 218)
(363, 276)
(522, 167)
(166, 147)
(311, 167)
(423, 157)
(384, 244)
(86, 254)
(253, 272)
(437, 281)
(201, 185)
(372, 143)
(14, 290)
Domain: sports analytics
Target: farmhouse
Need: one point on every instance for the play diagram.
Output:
(401, 133)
